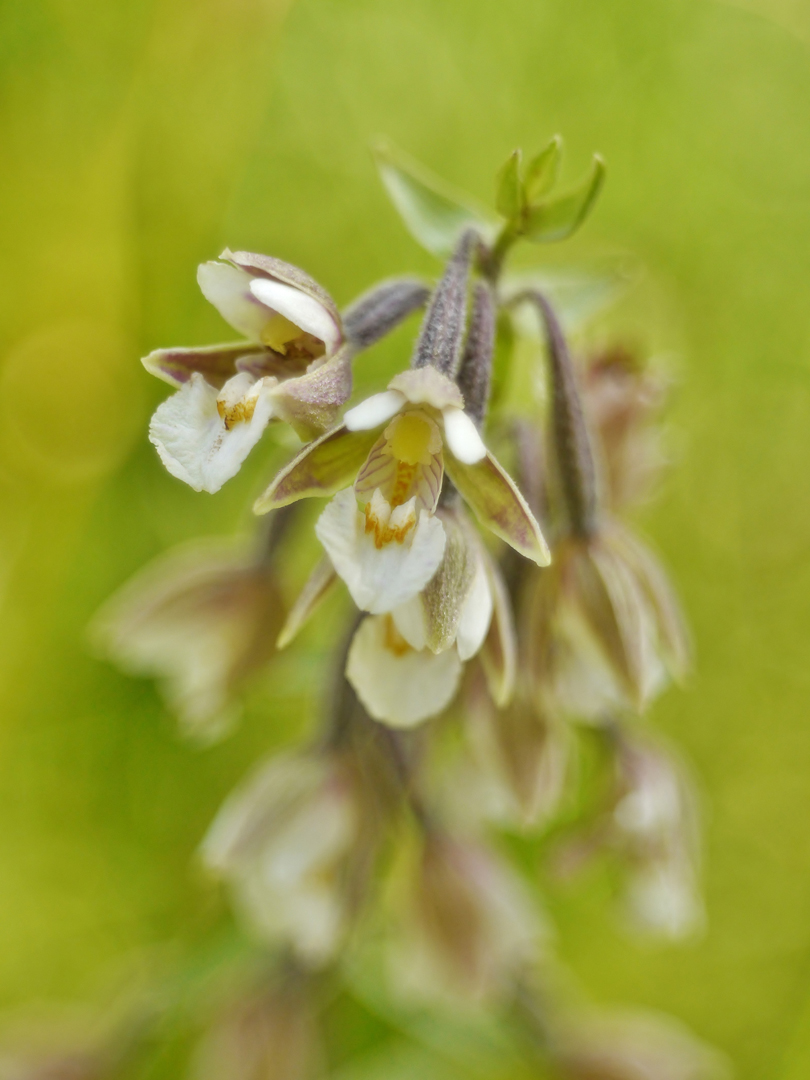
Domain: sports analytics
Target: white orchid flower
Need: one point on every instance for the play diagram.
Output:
(292, 366)
(381, 533)
(405, 666)
(282, 841)
(203, 619)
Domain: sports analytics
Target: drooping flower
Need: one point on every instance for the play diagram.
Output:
(406, 665)
(632, 1046)
(622, 396)
(203, 619)
(602, 626)
(469, 928)
(653, 825)
(266, 1033)
(523, 750)
(283, 841)
(291, 366)
(394, 448)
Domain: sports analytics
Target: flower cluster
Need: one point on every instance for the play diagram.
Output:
(499, 613)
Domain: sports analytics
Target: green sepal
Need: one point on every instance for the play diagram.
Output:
(560, 217)
(543, 170)
(433, 212)
(509, 190)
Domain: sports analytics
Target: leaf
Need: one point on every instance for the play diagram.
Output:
(509, 191)
(543, 170)
(433, 212)
(559, 218)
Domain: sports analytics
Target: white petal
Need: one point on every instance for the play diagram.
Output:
(192, 440)
(400, 688)
(379, 579)
(409, 619)
(462, 437)
(374, 411)
(228, 289)
(300, 308)
(476, 615)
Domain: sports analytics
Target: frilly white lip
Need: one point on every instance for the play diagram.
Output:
(382, 577)
(192, 437)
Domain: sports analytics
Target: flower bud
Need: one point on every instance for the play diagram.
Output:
(441, 339)
(382, 308)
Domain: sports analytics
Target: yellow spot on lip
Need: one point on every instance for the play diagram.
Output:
(394, 641)
(385, 533)
(239, 413)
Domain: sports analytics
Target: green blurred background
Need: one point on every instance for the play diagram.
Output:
(139, 138)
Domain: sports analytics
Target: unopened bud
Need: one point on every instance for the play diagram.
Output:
(573, 453)
(441, 339)
(381, 309)
(476, 364)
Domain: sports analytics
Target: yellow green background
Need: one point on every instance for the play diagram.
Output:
(139, 138)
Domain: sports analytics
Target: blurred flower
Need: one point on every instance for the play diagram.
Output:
(523, 748)
(388, 551)
(649, 822)
(406, 665)
(265, 1035)
(654, 827)
(622, 398)
(290, 367)
(471, 927)
(284, 841)
(634, 1046)
(203, 619)
(603, 628)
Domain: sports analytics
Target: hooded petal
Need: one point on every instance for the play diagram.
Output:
(228, 289)
(463, 439)
(396, 684)
(217, 363)
(193, 440)
(381, 575)
(299, 308)
(310, 403)
(498, 505)
(374, 411)
(322, 468)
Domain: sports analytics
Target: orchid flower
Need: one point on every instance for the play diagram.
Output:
(292, 365)
(393, 449)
